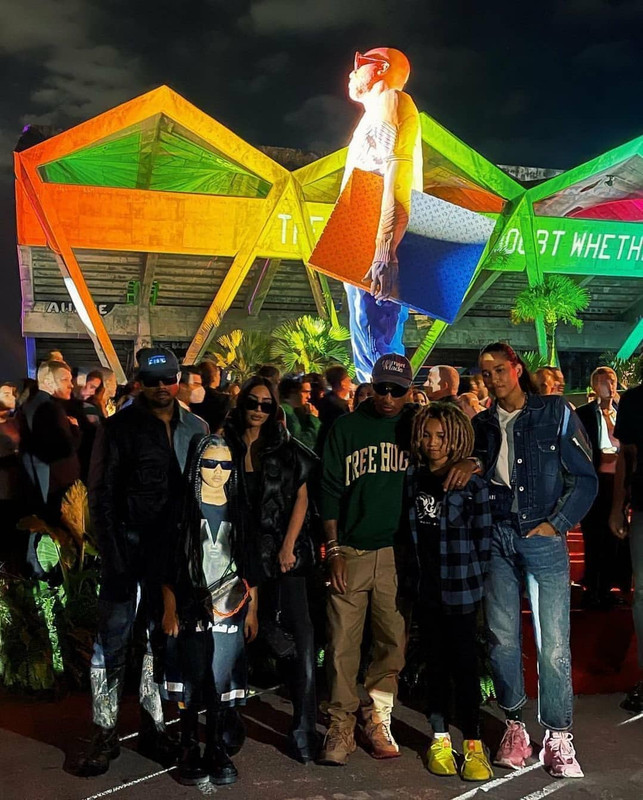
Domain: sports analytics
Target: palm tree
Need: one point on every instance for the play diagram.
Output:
(557, 299)
(310, 344)
(242, 352)
(533, 360)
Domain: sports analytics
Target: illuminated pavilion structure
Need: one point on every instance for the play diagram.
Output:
(153, 222)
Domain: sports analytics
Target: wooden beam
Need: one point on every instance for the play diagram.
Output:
(260, 288)
(149, 147)
(328, 299)
(535, 276)
(143, 325)
(25, 265)
(70, 270)
(316, 289)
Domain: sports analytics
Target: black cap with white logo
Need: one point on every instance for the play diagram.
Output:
(393, 368)
(157, 361)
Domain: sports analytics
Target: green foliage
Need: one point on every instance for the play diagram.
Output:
(533, 360)
(628, 370)
(242, 352)
(310, 344)
(47, 626)
(47, 553)
(26, 659)
(557, 299)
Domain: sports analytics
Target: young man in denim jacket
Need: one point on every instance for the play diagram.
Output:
(534, 453)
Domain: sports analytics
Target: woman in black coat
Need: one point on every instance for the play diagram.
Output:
(274, 471)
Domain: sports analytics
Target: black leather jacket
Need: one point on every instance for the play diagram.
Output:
(285, 464)
(136, 486)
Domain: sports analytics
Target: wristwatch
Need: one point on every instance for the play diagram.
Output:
(478, 463)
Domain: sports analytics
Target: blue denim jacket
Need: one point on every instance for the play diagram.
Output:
(553, 478)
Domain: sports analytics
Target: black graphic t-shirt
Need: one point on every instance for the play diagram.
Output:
(428, 507)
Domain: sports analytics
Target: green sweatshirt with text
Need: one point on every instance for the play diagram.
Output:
(364, 461)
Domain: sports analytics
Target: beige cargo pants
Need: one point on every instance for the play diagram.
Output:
(370, 574)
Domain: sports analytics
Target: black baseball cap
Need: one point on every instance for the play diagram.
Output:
(157, 361)
(393, 368)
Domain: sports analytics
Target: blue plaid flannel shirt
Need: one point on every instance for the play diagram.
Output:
(465, 541)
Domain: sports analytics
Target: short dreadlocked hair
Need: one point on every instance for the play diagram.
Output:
(458, 430)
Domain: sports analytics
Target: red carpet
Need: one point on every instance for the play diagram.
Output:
(603, 642)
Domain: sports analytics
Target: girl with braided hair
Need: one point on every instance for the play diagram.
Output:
(447, 548)
(210, 612)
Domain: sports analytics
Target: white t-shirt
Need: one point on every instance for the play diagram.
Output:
(505, 463)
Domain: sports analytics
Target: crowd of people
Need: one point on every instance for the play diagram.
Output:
(217, 508)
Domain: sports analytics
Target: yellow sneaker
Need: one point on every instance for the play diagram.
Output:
(476, 766)
(440, 757)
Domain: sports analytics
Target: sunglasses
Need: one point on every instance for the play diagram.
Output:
(213, 463)
(151, 382)
(394, 389)
(360, 60)
(265, 406)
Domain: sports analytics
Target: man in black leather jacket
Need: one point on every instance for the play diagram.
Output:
(135, 491)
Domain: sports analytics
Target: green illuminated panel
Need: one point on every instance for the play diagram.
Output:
(574, 246)
(157, 154)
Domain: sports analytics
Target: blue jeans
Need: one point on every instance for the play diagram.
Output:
(540, 563)
(636, 548)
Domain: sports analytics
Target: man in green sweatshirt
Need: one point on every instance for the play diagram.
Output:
(363, 466)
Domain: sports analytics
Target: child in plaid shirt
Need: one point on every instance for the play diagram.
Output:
(447, 552)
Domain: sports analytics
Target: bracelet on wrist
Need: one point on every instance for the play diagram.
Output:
(336, 554)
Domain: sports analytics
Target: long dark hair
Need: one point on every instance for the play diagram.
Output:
(525, 380)
(237, 418)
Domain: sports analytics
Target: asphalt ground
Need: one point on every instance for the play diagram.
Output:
(40, 743)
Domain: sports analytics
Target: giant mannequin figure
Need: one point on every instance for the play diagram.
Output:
(386, 141)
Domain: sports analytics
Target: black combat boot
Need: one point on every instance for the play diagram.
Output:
(215, 758)
(191, 770)
(104, 747)
(156, 742)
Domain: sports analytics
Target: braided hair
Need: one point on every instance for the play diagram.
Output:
(190, 541)
(458, 431)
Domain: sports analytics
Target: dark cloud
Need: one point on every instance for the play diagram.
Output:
(324, 121)
(604, 58)
(79, 73)
(603, 14)
(312, 16)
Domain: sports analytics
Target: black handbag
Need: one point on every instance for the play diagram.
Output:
(280, 641)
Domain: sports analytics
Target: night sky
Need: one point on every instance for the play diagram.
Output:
(548, 84)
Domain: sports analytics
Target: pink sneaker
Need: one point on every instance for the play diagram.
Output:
(515, 746)
(558, 755)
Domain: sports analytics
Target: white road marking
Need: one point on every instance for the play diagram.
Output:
(487, 787)
(538, 795)
(109, 792)
(631, 719)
